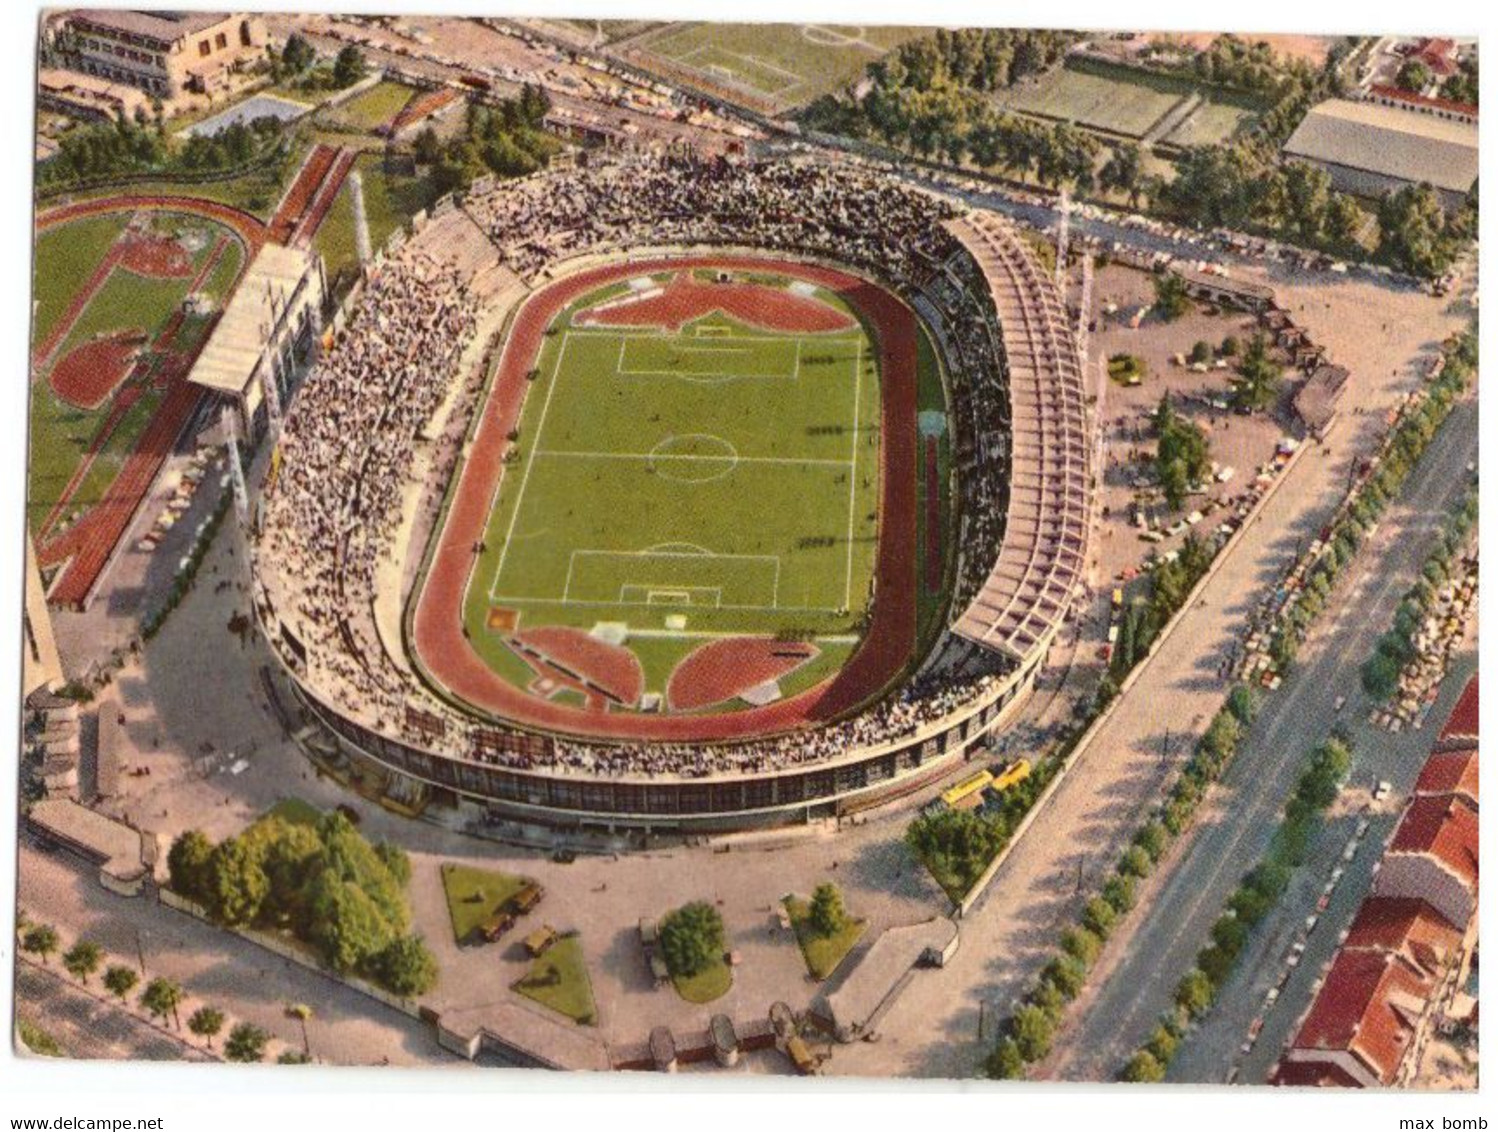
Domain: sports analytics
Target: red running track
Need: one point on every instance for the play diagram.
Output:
(299, 197)
(685, 299)
(720, 670)
(445, 653)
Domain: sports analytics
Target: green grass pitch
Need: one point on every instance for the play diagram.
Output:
(718, 481)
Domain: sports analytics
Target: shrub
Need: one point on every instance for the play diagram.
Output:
(1081, 944)
(1194, 994)
(1032, 1031)
(1163, 1044)
(1136, 862)
(1005, 1063)
(1067, 973)
(1154, 839)
(1099, 917)
(1143, 1067)
(1119, 893)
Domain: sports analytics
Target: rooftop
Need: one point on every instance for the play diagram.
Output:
(1407, 927)
(1367, 1006)
(1402, 144)
(1444, 827)
(166, 26)
(1450, 772)
(1463, 720)
(227, 363)
(1043, 553)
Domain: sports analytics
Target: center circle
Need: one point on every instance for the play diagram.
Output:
(693, 457)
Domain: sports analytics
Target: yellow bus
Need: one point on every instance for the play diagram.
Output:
(1012, 774)
(968, 787)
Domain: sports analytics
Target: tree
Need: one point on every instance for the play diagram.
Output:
(1005, 1063)
(1136, 862)
(40, 939)
(1067, 974)
(188, 864)
(1260, 375)
(1099, 916)
(206, 1022)
(83, 959)
(120, 981)
(1124, 170)
(161, 997)
(1413, 234)
(1171, 299)
(1242, 704)
(236, 884)
(297, 55)
(349, 68)
(1380, 674)
(1194, 994)
(1414, 76)
(827, 915)
(1201, 353)
(246, 1043)
(1154, 839)
(428, 149)
(406, 967)
(1031, 1030)
(1143, 1067)
(691, 938)
(347, 924)
(1182, 455)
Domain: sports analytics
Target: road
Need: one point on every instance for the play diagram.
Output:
(1382, 335)
(212, 965)
(1161, 939)
(87, 1027)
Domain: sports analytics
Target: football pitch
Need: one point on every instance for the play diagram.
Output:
(717, 480)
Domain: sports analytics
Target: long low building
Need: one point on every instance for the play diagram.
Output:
(1043, 554)
(1372, 148)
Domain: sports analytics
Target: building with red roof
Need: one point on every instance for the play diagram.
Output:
(1407, 928)
(1450, 772)
(1362, 1024)
(1461, 725)
(1433, 857)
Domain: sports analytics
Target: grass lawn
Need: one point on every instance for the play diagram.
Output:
(473, 895)
(708, 984)
(335, 240)
(559, 981)
(788, 64)
(822, 953)
(375, 106)
(390, 198)
(65, 258)
(295, 811)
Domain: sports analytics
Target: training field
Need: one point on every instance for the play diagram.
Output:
(1130, 104)
(780, 65)
(109, 337)
(685, 483)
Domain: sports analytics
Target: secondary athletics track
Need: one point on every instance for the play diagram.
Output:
(88, 546)
(443, 651)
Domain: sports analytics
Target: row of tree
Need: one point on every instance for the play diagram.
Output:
(127, 146)
(324, 882)
(161, 998)
(1368, 499)
(1025, 1036)
(1253, 899)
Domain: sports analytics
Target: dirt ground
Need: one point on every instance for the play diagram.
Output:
(1241, 443)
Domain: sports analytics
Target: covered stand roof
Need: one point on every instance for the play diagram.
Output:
(237, 344)
(1021, 605)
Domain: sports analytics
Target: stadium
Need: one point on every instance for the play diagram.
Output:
(664, 494)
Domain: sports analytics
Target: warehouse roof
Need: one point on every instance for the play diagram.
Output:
(1389, 141)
